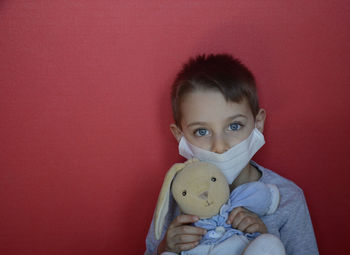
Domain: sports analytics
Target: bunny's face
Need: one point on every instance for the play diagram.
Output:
(200, 189)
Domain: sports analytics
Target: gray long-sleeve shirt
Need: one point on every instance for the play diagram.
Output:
(291, 222)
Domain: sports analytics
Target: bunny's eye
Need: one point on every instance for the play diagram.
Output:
(184, 193)
(213, 179)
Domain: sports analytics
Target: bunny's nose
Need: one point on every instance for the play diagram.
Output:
(204, 195)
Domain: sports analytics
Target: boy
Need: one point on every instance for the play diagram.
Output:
(216, 110)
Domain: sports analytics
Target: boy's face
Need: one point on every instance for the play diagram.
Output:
(211, 123)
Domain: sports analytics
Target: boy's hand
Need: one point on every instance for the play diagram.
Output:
(180, 236)
(246, 221)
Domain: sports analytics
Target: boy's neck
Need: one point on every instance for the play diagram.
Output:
(248, 174)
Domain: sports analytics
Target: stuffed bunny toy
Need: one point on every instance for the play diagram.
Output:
(199, 188)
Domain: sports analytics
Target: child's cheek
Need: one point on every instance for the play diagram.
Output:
(201, 142)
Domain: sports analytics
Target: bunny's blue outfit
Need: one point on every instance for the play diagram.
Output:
(254, 196)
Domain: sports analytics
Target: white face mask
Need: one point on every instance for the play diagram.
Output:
(230, 162)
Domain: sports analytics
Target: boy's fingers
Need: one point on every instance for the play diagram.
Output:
(188, 230)
(233, 214)
(184, 239)
(253, 228)
(245, 223)
(256, 227)
(184, 219)
(236, 216)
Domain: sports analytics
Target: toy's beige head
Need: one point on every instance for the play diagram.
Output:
(198, 187)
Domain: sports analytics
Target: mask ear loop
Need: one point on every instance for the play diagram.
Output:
(256, 125)
(260, 117)
(182, 137)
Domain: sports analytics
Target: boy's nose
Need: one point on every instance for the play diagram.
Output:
(219, 145)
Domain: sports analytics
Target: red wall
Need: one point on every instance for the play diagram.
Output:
(85, 111)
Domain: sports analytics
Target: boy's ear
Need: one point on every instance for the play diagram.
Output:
(176, 132)
(260, 120)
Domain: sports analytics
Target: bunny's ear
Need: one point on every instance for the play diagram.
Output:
(163, 199)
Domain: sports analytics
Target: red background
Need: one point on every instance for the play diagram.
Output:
(85, 112)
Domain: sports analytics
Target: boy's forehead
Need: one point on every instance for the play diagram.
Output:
(210, 106)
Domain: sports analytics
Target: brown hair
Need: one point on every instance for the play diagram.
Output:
(220, 72)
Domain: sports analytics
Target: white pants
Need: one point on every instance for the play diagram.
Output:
(265, 244)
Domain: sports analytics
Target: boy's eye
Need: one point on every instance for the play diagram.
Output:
(201, 132)
(234, 126)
